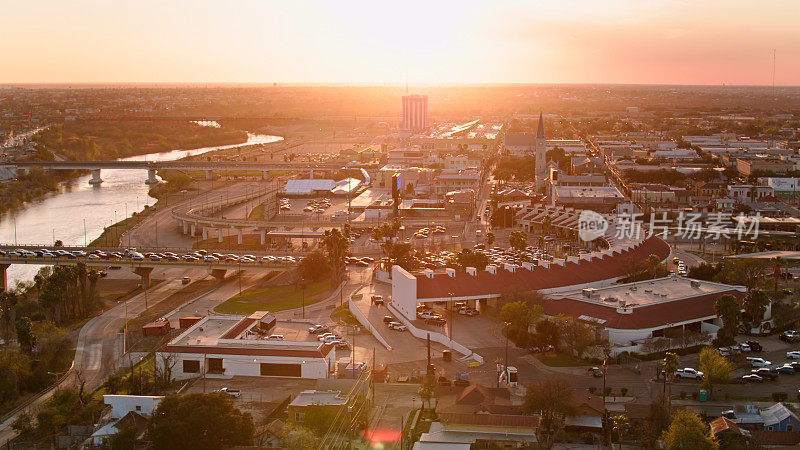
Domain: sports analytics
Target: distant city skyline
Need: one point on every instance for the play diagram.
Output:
(710, 42)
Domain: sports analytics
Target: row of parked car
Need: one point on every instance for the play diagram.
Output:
(133, 255)
(326, 335)
(766, 371)
(749, 346)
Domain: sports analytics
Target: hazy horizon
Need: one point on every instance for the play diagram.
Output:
(617, 42)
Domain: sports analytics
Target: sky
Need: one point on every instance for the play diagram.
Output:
(422, 42)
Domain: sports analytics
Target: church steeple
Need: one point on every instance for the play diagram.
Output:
(540, 131)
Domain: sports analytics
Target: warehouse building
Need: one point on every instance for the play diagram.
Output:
(227, 346)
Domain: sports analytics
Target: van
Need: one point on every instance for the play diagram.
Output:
(275, 337)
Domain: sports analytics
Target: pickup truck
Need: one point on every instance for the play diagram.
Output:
(688, 373)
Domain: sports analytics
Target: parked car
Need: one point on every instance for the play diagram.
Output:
(438, 321)
(323, 336)
(688, 373)
(790, 336)
(318, 328)
(388, 319)
(752, 378)
(755, 346)
(377, 300)
(786, 370)
(758, 362)
(596, 372)
(765, 373)
(236, 393)
(275, 337)
(397, 326)
(793, 354)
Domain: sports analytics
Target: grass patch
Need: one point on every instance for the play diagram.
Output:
(342, 314)
(257, 212)
(558, 360)
(274, 298)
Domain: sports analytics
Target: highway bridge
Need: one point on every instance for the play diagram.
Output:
(152, 166)
(143, 267)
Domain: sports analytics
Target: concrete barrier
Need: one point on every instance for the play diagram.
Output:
(364, 321)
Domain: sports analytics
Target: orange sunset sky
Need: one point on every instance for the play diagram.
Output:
(565, 41)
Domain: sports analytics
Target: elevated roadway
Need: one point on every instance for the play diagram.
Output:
(152, 166)
(143, 267)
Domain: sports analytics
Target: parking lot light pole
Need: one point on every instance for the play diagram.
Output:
(450, 328)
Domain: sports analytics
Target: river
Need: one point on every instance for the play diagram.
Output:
(62, 215)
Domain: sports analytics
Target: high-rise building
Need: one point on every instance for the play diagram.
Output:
(541, 160)
(415, 112)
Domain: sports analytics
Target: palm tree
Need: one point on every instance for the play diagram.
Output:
(336, 247)
(777, 264)
(621, 425)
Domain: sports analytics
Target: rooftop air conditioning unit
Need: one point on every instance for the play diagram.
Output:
(695, 283)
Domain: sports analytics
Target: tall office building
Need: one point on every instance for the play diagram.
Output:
(415, 112)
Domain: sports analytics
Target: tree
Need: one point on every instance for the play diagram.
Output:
(385, 234)
(490, 238)
(200, 421)
(336, 245)
(547, 333)
(715, 367)
(652, 266)
(551, 398)
(402, 256)
(469, 258)
(58, 243)
(8, 305)
(315, 266)
(518, 239)
(25, 336)
(125, 439)
(777, 263)
(318, 419)
(741, 271)
(519, 314)
(687, 431)
(620, 425)
(728, 309)
(670, 365)
(755, 305)
(649, 431)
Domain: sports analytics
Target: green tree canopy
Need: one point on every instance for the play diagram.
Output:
(755, 305)
(518, 239)
(315, 266)
(688, 432)
(715, 367)
(199, 421)
(25, 336)
(551, 398)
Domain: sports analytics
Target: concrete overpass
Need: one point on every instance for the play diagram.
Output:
(143, 268)
(152, 166)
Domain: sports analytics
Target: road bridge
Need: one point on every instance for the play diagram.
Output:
(142, 267)
(152, 166)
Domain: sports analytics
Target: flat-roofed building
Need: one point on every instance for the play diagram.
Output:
(600, 198)
(226, 346)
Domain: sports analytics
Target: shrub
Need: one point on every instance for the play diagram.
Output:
(694, 395)
(683, 395)
(624, 391)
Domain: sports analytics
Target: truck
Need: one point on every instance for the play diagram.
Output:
(688, 372)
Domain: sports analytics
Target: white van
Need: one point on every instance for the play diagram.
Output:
(275, 337)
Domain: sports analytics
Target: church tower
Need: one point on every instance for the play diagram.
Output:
(541, 160)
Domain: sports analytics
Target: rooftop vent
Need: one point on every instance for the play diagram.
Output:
(450, 272)
(472, 271)
(510, 267)
(428, 273)
(648, 291)
(695, 284)
(588, 292)
(492, 269)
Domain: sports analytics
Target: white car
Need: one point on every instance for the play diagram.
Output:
(689, 373)
(232, 392)
(758, 362)
(397, 326)
(324, 336)
(793, 355)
